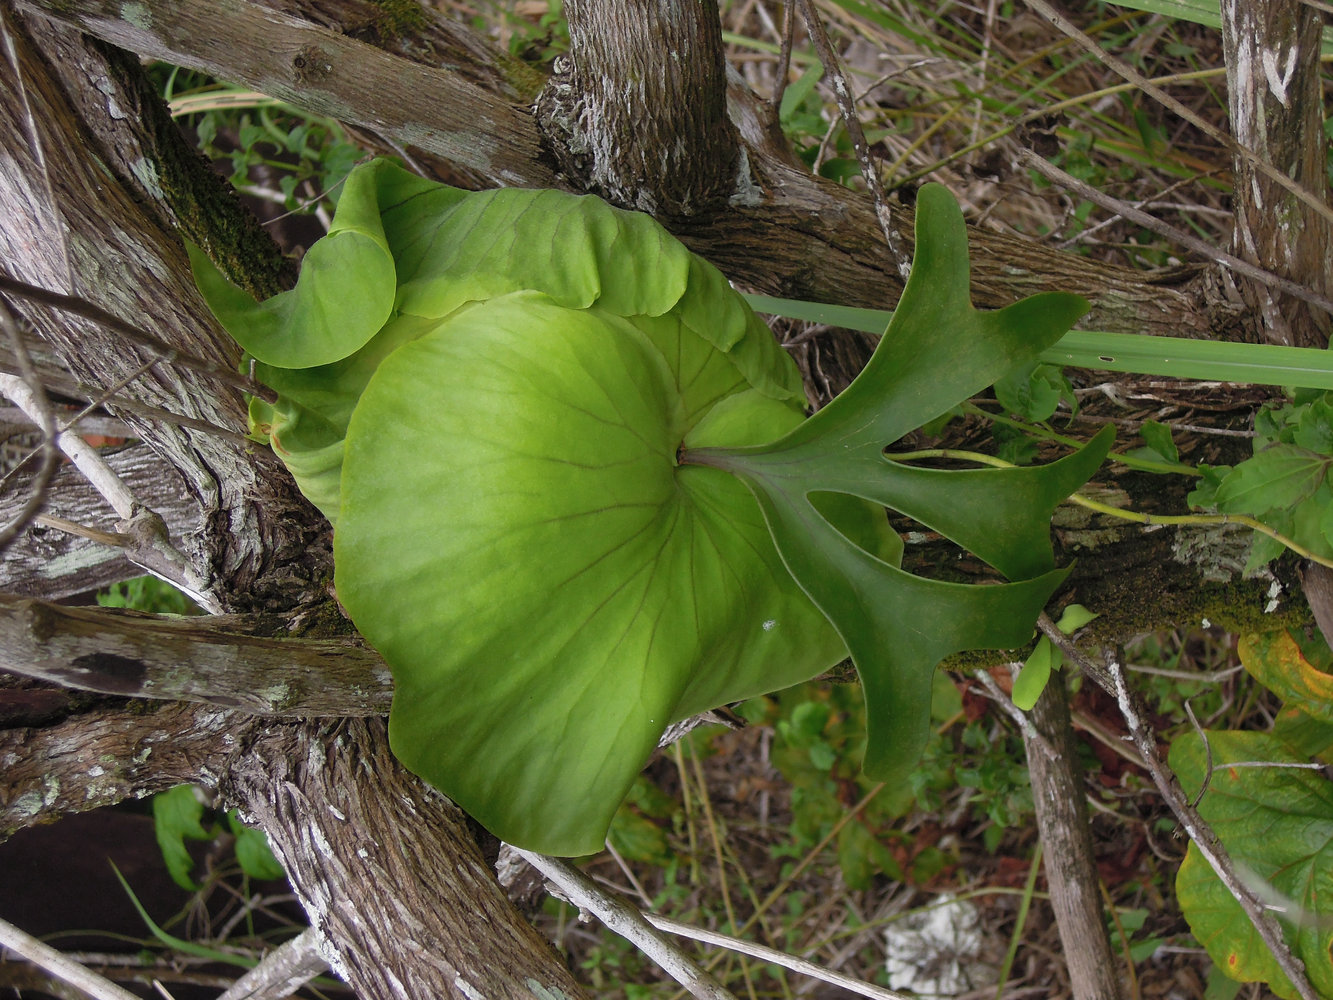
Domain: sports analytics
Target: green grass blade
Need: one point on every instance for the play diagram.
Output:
(1205, 12)
(1260, 364)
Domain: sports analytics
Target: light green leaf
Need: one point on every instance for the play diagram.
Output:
(1073, 618)
(556, 515)
(562, 589)
(177, 816)
(1279, 477)
(1032, 679)
(1277, 825)
(253, 852)
(344, 294)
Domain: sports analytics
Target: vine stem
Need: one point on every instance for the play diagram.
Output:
(1111, 678)
(1138, 517)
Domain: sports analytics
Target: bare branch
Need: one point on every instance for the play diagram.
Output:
(1070, 183)
(234, 661)
(850, 121)
(629, 922)
(282, 971)
(766, 954)
(40, 414)
(65, 969)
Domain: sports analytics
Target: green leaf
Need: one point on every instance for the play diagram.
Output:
(561, 588)
(343, 297)
(177, 815)
(253, 852)
(1157, 436)
(1279, 477)
(1033, 391)
(1031, 680)
(1314, 428)
(524, 528)
(1204, 495)
(898, 626)
(1277, 824)
(1074, 617)
(794, 95)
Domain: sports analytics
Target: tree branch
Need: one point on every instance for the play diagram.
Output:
(625, 919)
(236, 662)
(65, 969)
(108, 754)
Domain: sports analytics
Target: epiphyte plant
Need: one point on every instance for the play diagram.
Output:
(576, 497)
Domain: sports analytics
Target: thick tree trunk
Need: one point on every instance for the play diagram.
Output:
(642, 131)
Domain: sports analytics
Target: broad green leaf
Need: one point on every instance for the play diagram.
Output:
(344, 294)
(1280, 476)
(1276, 661)
(1277, 825)
(561, 588)
(524, 527)
(446, 249)
(897, 626)
(177, 816)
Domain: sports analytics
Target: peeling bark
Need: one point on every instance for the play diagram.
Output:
(644, 131)
(1276, 99)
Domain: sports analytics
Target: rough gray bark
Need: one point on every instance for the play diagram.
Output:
(1071, 868)
(388, 870)
(244, 662)
(642, 131)
(48, 562)
(1276, 98)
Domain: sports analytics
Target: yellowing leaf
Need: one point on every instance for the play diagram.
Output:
(1276, 661)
